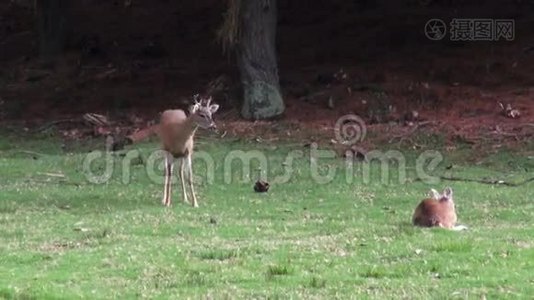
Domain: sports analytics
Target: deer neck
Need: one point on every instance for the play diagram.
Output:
(189, 128)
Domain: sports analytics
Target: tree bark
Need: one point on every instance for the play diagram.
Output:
(257, 60)
(52, 26)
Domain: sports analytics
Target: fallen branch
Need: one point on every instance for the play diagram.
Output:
(498, 131)
(488, 181)
(60, 182)
(30, 152)
(60, 175)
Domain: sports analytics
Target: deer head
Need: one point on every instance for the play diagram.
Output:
(202, 111)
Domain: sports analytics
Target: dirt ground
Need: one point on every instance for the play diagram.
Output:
(130, 63)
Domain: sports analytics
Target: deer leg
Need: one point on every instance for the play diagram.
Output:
(184, 193)
(169, 160)
(190, 180)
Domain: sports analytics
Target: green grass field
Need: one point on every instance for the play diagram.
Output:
(63, 237)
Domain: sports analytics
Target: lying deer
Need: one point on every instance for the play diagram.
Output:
(438, 210)
(176, 132)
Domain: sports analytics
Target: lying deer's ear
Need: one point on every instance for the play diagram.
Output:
(433, 194)
(214, 108)
(447, 193)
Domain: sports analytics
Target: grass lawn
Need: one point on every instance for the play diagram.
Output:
(63, 237)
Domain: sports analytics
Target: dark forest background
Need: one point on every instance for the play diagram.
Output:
(140, 57)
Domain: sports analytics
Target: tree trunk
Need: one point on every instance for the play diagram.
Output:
(51, 26)
(257, 60)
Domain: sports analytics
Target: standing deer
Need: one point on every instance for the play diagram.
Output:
(437, 210)
(176, 132)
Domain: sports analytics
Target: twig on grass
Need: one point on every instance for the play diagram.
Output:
(488, 181)
(59, 175)
(60, 182)
(30, 152)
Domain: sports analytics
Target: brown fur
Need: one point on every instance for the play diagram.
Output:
(176, 131)
(439, 210)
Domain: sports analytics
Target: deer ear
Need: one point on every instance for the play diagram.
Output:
(433, 194)
(193, 108)
(447, 193)
(214, 108)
